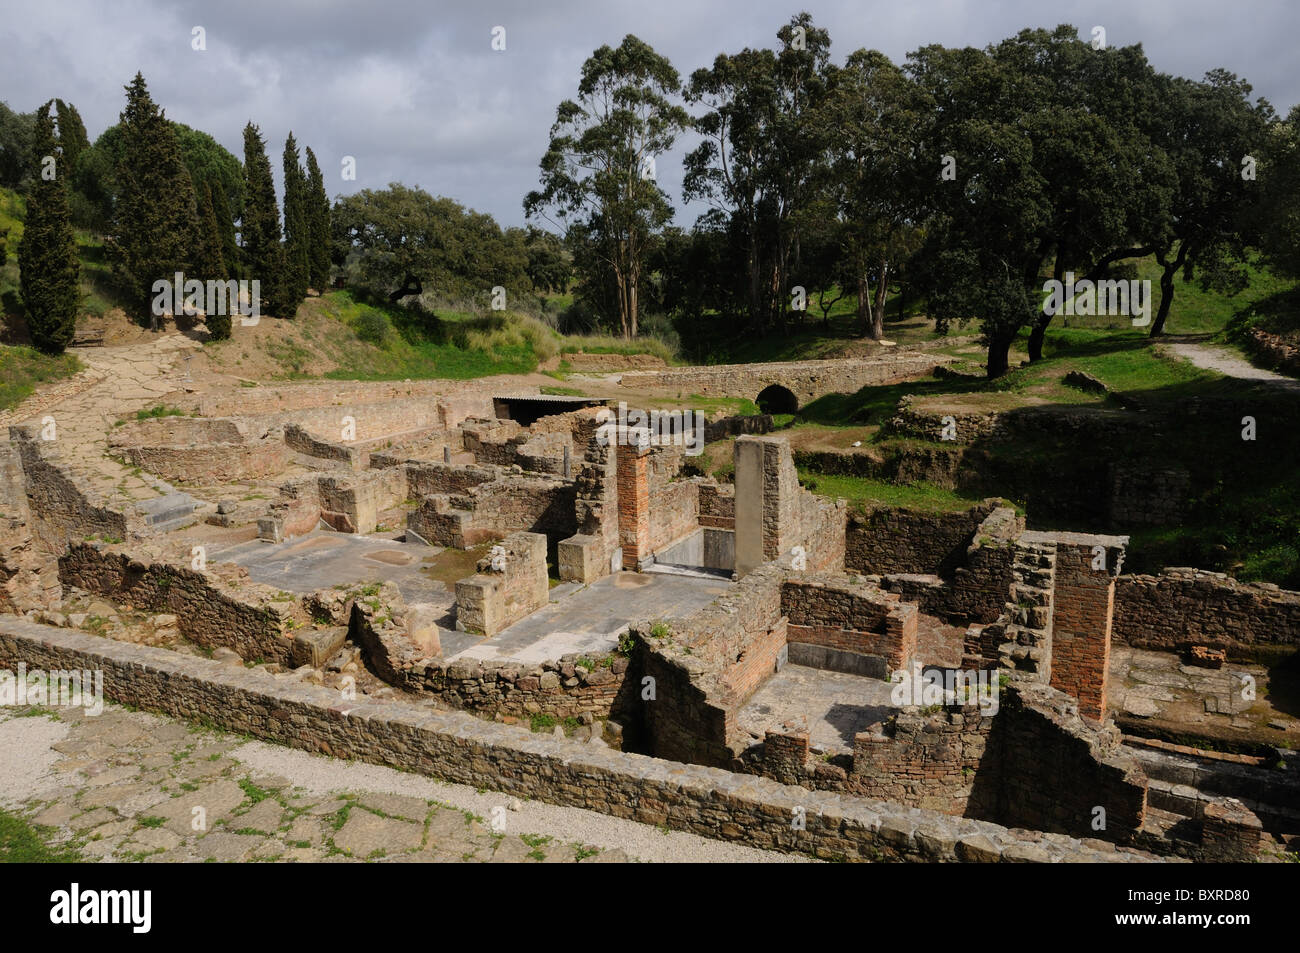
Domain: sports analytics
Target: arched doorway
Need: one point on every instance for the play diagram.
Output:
(775, 399)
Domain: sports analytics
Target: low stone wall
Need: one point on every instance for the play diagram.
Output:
(717, 504)
(1057, 768)
(297, 438)
(60, 509)
(837, 613)
(453, 400)
(211, 611)
(460, 749)
(1273, 351)
(510, 584)
(489, 510)
(882, 540)
(1191, 606)
(352, 503)
(199, 449)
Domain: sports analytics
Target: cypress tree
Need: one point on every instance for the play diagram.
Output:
(208, 263)
(225, 230)
(72, 133)
(49, 271)
(296, 234)
(318, 225)
(155, 218)
(260, 225)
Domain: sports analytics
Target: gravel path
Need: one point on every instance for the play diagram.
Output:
(1228, 363)
(132, 786)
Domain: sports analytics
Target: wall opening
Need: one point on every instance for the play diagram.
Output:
(775, 399)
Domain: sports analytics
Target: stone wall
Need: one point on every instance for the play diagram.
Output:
(535, 504)
(838, 613)
(460, 749)
(352, 503)
(61, 511)
(717, 504)
(1057, 768)
(1190, 606)
(201, 450)
(300, 440)
(214, 609)
(889, 539)
(807, 380)
(674, 504)
(591, 552)
(510, 584)
(1083, 601)
(29, 578)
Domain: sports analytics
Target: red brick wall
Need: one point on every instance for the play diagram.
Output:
(1081, 624)
(633, 505)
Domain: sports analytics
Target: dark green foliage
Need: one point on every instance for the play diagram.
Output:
(154, 217)
(260, 226)
(209, 264)
(225, 230)
(550, 266)
(1280, 209)
(96, 174)
(15, 146)
(597, 171)
(297, 237)
(72, 132)
(47, 256)
(318, 226)
(411, 242)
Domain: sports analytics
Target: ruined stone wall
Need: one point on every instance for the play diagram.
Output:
(29, 578)
(1083, 602)
(507, 586)
(837, 613)
(489, 510)
(460, 749)
(60, 510)
(429, 479)
(940, 761)
(299, 439)
(212, 611)
(589, 554)
(807, 380)
(452, 400)
(352, 503)
(891, 539)
(674, 504)
(1187, 605)
(1057, 768)
(717, 504)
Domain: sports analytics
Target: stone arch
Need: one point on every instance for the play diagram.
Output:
(777, 399)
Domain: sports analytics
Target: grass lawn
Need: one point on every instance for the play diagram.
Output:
(22, 369)
(917, 496)
(22, 842)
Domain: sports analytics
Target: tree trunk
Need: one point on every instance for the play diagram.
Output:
(1039, 331)
(1169, 270)
(999, 349)
(882, 292)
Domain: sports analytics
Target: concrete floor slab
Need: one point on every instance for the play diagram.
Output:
(836, 706)
(591, 619)
(323, 559)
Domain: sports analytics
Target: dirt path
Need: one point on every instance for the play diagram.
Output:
(1227, 362)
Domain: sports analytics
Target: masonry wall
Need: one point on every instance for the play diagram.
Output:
(251, 619)
(486, 511)
(1083, 601)
(1187, 605)
(890, 539)
(1058, 768)
(457, 748)
(60, 511)
(495, 598)
(849, 617)
(674, 504)
(717, 504)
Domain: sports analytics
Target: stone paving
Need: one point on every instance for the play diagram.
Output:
(117, 382)
(131, 786)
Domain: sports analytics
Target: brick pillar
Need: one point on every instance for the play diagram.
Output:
(634, 504)
(1084, 601)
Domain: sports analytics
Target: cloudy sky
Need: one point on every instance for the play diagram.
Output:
(414, 90)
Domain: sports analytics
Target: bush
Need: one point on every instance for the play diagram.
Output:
(373, 327)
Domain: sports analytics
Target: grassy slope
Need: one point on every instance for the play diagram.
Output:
(21, 368)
